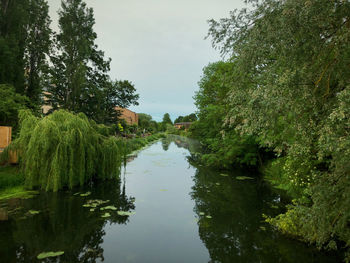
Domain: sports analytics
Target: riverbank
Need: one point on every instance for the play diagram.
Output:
(191, 212)
(12, 179)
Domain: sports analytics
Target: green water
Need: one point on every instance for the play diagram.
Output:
(179, 213)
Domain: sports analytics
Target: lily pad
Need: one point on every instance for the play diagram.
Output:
(217, 183)
(110, 207)
(224, 174)
(86, 194)
(94, 203)
(33, 212)
(244, 178)
(77, 194)
(125, 213)
(208, 216)
(106, 215)
(92, 210)
(49, 254)
(201, 213)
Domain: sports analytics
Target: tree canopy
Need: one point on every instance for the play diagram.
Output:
(290, 89)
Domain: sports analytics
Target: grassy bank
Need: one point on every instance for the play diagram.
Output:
(12, 181)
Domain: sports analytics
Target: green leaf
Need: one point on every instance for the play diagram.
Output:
(108, 208)
(49, 254)
(33, 212)
(106, 215)
(244, 178)
(125, 213)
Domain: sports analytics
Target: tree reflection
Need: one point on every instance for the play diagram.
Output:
(166, 143)
(235, 231)
(62, 225)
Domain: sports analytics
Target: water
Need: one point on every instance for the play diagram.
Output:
(180, 213)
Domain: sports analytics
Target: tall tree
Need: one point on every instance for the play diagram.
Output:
(113, 94)
(13, 21)
(37, 48)
(79, 70)
(166, 119)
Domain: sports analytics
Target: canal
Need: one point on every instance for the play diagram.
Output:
(164, 209)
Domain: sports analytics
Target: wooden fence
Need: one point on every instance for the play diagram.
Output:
(5, 140)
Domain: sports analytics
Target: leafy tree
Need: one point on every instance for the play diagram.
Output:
(37, 49)
(79, 71)
(10, 104)
(13, 21)
(291, 90)
(24, 45)
(188, 118)
(144, 121)
(166, 119)
(178, 119)
(226, 146)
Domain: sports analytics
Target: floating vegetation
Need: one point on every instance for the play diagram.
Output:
(208, 216)
(86, 194)
(33, 212)
(262, 228)
(110, 207)
(77, 194)
(50, 254)
(201, 213)
(106, 215)
(125, 213)
(244, 178)
(224, 174)
(92, 210)
(217, 183)
(94, 203)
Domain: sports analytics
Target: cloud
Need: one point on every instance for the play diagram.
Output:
(158, 45)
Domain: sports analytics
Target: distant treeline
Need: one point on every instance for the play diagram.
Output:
(284, 88)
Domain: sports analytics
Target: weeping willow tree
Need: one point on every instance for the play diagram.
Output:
(65, 150)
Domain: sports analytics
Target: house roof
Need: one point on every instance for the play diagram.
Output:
(182, 123)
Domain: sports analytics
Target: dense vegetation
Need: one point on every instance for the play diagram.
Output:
(64, 70)
(285, 87)
(64, 150)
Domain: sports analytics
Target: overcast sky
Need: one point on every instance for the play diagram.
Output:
(158, 45)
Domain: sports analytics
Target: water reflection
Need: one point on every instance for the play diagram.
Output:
(166, 143)
(63, 224)
(231, 223)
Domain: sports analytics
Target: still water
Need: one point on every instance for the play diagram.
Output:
(175, 211)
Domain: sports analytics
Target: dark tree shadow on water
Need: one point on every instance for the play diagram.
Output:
(232, 227)
(63, 224)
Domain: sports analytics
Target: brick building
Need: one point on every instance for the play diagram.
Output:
(129, 116)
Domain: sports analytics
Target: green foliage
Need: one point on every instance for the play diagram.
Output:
(291, 91)
(24, 44)
(10, 103)
(166, 119)
(10, 177)
(226, 146)
(188, 118)
(170, 129)
(65, 150)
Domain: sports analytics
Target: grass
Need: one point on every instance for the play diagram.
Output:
(10, 177)
(12, 184)
(16, 192)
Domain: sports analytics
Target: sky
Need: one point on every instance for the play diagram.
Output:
(158, 45)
